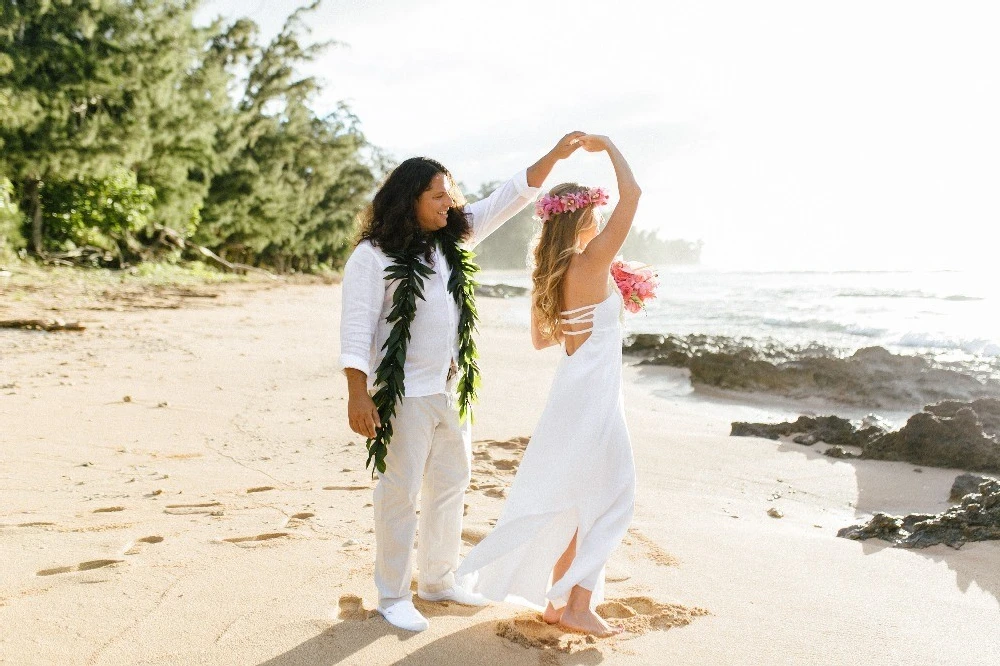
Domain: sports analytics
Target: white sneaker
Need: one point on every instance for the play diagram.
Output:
(457, 594)
(403, 614)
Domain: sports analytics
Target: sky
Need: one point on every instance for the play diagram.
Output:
(786, 135)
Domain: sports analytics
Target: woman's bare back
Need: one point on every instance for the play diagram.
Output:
(584, 284)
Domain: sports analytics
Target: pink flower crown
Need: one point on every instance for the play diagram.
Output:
(552, 204)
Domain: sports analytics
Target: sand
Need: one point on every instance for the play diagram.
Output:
(178, 485)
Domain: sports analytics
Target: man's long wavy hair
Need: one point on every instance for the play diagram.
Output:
(555, 245)
(390, 220)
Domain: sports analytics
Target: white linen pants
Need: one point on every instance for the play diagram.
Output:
(431, 454)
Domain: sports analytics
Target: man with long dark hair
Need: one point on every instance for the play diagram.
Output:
(407, 351)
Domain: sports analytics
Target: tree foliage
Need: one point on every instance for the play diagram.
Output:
(105, 213)
(216, 125)
(10, 220)
(646, 246)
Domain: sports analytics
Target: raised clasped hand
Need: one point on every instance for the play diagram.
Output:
(593, 143)
(568, 144)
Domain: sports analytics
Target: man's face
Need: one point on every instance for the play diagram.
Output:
(433, 204)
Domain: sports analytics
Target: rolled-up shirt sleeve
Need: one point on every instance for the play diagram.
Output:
(363, 291)
(504, 203)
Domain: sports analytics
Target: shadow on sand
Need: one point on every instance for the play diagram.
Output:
(347, 638)
(874, 495)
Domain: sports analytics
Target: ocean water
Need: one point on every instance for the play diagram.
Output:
(950, 315)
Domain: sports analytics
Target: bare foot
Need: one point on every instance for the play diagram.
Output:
(588, 622)
(551, 614)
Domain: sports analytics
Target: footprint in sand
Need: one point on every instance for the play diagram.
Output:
(134, 549)
(473, 535)
(187, 509)
(636, 615)
(492, 456)
(82, 566)
(347, 488)
(655, 553)
(257, 538)
(513, 444)
(640, 615)
(260, 489)
(353, 608)
(298, 519)
(109, 509)
(35, 524)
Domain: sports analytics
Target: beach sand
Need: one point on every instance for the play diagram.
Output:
(178, 485)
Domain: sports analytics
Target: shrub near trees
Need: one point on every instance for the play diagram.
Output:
(10, 221)
(123, 126)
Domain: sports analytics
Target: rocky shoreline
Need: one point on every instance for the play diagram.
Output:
(873, 376)
(964, 435)
(975, 518)
(952, 434)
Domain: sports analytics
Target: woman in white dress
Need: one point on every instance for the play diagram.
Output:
(572, 499)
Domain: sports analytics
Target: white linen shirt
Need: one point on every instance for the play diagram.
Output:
(433, 345)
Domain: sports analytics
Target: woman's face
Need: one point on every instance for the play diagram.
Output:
(433, 204)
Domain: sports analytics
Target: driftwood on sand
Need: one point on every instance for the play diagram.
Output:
(168, 236)
(42, 324)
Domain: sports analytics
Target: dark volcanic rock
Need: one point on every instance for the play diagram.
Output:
(872, 376)
(645, 343)
(829, 429)
(881, 526)
(838, 452)
(742, 372)
(946, 435)
(976, 518)
(949, 434)
(765, 430)
(965, 484)
(660, 350)
(987, 411)
(500, 290)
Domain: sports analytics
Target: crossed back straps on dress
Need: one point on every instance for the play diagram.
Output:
(582, 315)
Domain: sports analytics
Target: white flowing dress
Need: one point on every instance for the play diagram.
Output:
(577, 475)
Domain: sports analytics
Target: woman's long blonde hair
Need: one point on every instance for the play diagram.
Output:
(554, 246)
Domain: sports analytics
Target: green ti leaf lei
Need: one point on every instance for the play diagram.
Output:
(410, 273)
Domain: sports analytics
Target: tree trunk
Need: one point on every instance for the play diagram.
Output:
(33, 186)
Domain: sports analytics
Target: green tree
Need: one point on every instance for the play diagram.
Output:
(187, 71)
(10, 220)
(69, 93)
(217, 125)
(646, 246)
(105, 213)
(290, 194)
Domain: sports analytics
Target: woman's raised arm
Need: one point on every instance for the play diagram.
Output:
(602, 250)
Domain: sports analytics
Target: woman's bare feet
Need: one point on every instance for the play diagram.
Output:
(587, 622)
(551, 614)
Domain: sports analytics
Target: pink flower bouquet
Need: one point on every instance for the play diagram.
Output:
(637, 282)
